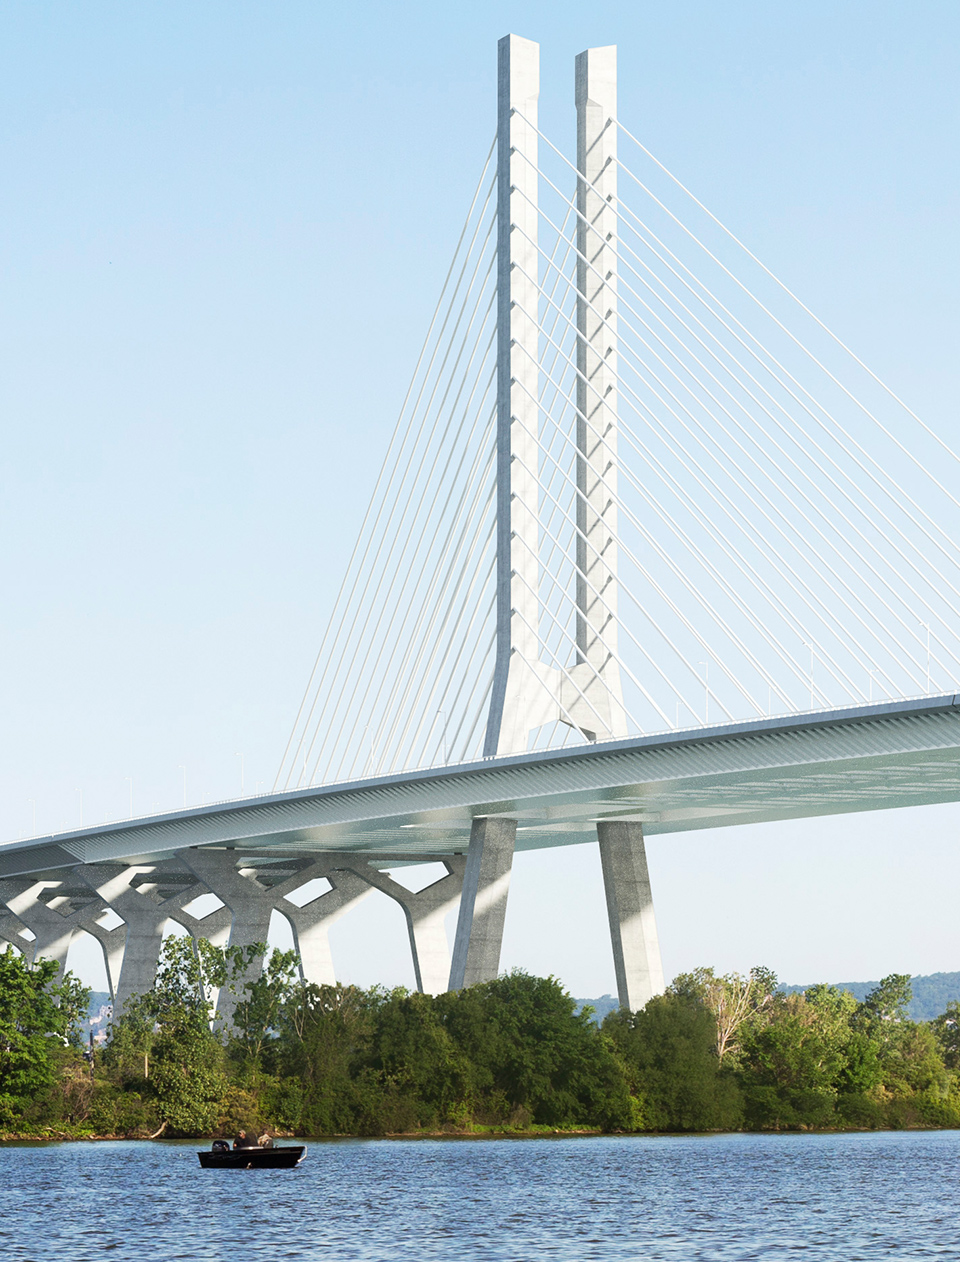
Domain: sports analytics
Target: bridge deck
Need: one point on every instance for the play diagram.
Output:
(861, 758)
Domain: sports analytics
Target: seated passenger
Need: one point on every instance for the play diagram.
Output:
(265, 1140)
(244, 1140)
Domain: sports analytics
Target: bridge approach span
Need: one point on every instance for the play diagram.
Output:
(254, 852)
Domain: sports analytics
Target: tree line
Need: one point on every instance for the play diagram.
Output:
(712, 1053)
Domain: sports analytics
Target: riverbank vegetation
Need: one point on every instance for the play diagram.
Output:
(509, 1056)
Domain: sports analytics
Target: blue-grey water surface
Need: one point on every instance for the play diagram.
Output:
(837, 1197)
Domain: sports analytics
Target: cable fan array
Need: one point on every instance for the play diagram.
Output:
(399, 679)
(782, 541)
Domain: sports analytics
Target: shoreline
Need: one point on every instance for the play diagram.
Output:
(10, 1137)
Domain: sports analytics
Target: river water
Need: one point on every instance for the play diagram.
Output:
(836, 1197)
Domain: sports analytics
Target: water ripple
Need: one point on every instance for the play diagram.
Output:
(727, 1198)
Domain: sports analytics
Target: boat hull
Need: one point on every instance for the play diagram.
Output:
(253, 1158)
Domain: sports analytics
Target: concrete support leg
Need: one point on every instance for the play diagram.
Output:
(145, 897)
(11, 930)
(143, 939)
(312, 922)
(251, 907)
(633, 927)
(131, 950)
(112, 943)
(425, 913)
(483, 904)
(252, 903)
(46, 907)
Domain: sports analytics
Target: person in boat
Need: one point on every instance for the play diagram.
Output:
(265, 1140)
(244, 1140)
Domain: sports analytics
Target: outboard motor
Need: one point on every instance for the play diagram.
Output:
(220, 1145)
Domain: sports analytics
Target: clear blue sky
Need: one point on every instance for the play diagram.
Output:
(224, 227)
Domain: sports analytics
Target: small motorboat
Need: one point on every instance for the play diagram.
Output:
(222, 1157)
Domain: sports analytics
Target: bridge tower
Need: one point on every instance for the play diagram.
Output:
(527, 692)
(254, 857)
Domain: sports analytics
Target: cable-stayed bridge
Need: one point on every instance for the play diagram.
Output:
(651, 550)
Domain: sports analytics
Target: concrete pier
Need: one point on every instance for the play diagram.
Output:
(11, 930)
(250, 906)
(483, 903)
(254, 892)
(52, 908)
(633, 927)
(425, 913)
(145, 897)
(312, 923)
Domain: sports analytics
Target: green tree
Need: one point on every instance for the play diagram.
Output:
(836, 1011)
(257, 1013)
(733, 999)
(38, 1018)
(946, 1031)
(170, 1026)
(792, 1060)
(670, 1051)
(424, 1073)
(887, 1003)
(909, 1054)
(321, 1055)
(531, 1055)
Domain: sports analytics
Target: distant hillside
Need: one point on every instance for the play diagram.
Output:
(99, 999)
(601, 1006)
(931, 994)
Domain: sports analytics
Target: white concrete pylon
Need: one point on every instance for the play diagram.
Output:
(528, 693)
(252, 906)
(592, 698)
(483, 903)
(633, 926)
(519, 700)
(312, 923)
(11, 930)
(113, 945)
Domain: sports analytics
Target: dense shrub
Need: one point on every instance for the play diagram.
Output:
(712, 1053)
(38, 1019)
(670, 1052)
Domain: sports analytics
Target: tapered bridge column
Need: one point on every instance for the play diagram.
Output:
(312, 922)
(633, 927)
(11, 930)
(250, 906)
(592, 696)
(521, 698)
(425, 913)
(483, 903)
